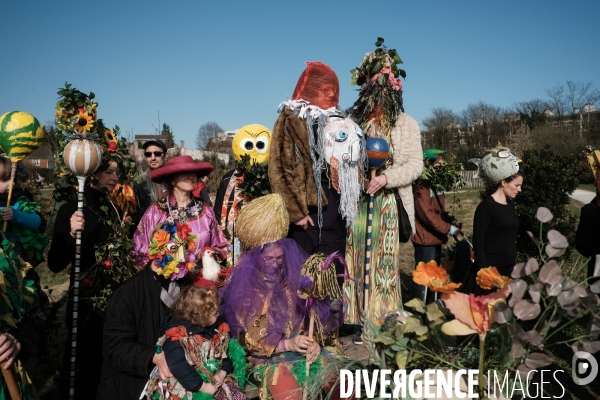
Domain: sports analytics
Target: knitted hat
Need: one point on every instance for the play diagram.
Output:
(318, 85)
(263, 220)
(497, 165)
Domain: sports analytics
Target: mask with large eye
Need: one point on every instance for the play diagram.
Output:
(253, 140)
(343, 140)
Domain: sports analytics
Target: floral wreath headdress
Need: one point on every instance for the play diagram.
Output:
(173, 248)
(380, 97)
(76, 117)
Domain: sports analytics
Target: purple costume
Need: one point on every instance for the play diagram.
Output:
(199, 217)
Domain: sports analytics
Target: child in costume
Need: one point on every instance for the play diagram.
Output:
(23, 215)
(198, 351)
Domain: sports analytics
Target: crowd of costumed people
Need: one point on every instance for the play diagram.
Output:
(175, 296)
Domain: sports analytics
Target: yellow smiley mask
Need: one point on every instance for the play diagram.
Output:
(254, 140)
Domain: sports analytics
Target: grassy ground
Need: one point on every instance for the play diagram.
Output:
(56, 285)
(589, 187)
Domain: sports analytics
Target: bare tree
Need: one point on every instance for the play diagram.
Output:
(532, 112)
(521, 140)
(441, 125)
(206, 132)
(487, 122)
(578, 94)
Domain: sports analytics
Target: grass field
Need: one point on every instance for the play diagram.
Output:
(46, 372)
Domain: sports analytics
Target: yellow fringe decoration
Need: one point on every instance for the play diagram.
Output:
(263, 220)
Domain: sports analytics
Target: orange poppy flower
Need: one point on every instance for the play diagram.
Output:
(434, 277)
(191, 245)
(162, 237)
(488, 278)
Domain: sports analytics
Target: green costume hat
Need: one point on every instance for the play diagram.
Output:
(432, 154)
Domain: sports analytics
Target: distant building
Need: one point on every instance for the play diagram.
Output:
(199, 155)
(222, 142)
(41, 158)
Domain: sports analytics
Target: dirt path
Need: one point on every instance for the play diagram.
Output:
(584, 196)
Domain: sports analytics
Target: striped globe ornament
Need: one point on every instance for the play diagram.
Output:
(82, 156)
(377, 151)
(20, 134)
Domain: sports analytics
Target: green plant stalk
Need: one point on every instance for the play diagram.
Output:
(481, 353)
(570, 322)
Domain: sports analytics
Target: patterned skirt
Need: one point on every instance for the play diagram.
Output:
(384, 289)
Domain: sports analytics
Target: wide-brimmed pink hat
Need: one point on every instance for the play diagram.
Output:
(177, 165)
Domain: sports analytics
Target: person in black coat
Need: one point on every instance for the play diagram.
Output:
(61, 254)
(587, 239)
(130, 333)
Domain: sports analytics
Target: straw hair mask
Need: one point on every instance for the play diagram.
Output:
(263, 220)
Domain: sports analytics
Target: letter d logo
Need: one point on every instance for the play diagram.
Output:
(582, 364)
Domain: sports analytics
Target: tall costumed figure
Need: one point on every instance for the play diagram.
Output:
(380, 113)
(91, 230)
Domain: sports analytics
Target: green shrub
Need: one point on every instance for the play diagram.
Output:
(549, 178)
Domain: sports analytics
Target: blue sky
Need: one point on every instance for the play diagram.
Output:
(232, 62)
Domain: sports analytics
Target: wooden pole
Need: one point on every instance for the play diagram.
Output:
(367, 271)
(81, 180)
(311, 328)
(11, 383)
(13, 174)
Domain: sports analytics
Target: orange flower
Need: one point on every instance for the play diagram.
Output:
(488, 278)
(162, 237)
(189, 266)
(434, 277)
(474, 314)
(191, 245)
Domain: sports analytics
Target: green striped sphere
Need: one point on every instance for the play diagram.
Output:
(20, 134)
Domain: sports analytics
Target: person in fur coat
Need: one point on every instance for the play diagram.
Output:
(379, 112)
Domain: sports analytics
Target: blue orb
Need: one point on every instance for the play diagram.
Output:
(377, 151)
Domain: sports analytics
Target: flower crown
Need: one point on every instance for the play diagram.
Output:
(173, 249)
(76, 117)
(380, 97)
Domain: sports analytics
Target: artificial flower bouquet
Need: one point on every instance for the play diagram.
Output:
(509, 329)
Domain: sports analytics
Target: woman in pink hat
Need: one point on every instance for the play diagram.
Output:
(190, 222)
(176, 237)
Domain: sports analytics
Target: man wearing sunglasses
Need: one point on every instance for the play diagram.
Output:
(146, 191)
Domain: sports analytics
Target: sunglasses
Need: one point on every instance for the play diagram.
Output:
(148, 154)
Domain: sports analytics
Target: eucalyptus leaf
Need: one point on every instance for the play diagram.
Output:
(554, 252)
(544, 215)
(591, 347)
(534, 292)
(534, 239)
(593, 326)
(554, 290)
(385, 338)
(518, 287)
(518, 271)
(551, 273)
(595, 287)
(577, 346)
(526, 310)
(516, 351)
(557, 240)
(503, 313)
(531, 266)
(568, 300)
(433, 312)
(534, 337)
(537, 360)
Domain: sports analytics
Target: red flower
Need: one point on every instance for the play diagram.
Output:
(127, 218)
(108, 264)
(183, 230)
(112, 147)
(86, 282)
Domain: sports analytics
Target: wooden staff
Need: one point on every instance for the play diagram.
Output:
(367, 271)
(11, 383)
(13, 173)
(81, 181)
(311, 328)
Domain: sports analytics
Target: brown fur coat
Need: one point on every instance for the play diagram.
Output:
(290, 166)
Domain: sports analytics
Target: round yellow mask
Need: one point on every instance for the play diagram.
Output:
(254, 140)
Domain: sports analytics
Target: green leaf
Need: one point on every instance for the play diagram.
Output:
(376, 68)
(397, 59)
(379, 41)
(433, 312)
(417, 305)
(402, 73)
(385, 338)
(381, 80)
(413, 324)
(402, 359)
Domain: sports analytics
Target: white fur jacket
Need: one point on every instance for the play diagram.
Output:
(407, 163)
